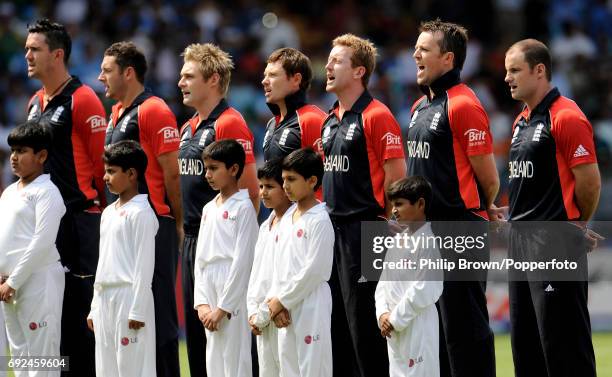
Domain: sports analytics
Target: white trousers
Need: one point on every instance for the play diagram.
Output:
(34, 317)
(228, 350)
(305, 345)
(267, 351)
(413, 352)
(121, 351)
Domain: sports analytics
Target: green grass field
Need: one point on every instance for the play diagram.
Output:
(602, 343)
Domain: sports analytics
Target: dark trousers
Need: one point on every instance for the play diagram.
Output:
(164, 297)
(364, 352)
(78, 242)
(551, 327)
(194, 330)
(467, 346)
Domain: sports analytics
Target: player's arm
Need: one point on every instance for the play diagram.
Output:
(486, 174)
(395, 169)
(89, 122)
(170, 168)
(587, 189)
(248, 180)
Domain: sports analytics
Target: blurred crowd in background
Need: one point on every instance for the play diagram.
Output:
(578, 32)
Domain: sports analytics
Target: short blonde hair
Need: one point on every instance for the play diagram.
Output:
(364, 53)
(211, 59)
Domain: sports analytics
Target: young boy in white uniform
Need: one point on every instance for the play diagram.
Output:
(224, 255)
(122, 314)
(273, 197)
(32, 287)
(405, 301)
(302, 268)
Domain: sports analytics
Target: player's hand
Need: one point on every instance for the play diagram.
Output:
(385, 325)
(135, 325)
(90, 324)
(6, 292)
(282, 319)
(497, 213)
(275, 306)
(592, 238)
(214, 318)
(203, 311)
(254, 329)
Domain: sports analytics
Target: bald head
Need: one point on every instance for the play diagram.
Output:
(534, 52)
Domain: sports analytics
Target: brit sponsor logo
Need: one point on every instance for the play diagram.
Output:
(283, 138)
(391, 139)
(124, 123)
(337, 162)
(96, 123)
(413, 120)
(351, 131)
(418, 149)
(581, 152)
(171, 134)
(246, 144)
(326, 132)
(435, 121)
(538, 132)
(191, 166)
(475, 137)
(56, 115)
(520, 169)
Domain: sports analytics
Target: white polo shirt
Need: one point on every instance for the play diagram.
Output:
(228, 233)
(127, 251)
(305, 255)
(29, 221)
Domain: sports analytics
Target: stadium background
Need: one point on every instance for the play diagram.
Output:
(579, 33)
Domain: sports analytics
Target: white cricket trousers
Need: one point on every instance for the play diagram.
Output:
(121, 351)
(267, 351)
(34, 317)
(305, 345)
(228, 350)
(414, 352)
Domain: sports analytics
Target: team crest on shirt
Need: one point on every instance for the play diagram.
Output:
(56, 115)
(351, 131)
(283, 138)
(413, 119)
(308, 339)
(514, 134)
(125, 341)
(301, 233)
(124, 123)
(435, 121)
(538, 132)
(33, 111)
(228, 216)
(203, 138)
(326, 132)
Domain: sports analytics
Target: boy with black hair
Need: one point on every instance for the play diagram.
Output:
(274, 198)
(405, 300)
(122, 315)
(32, 286)
(224, 255)
(301, 272)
